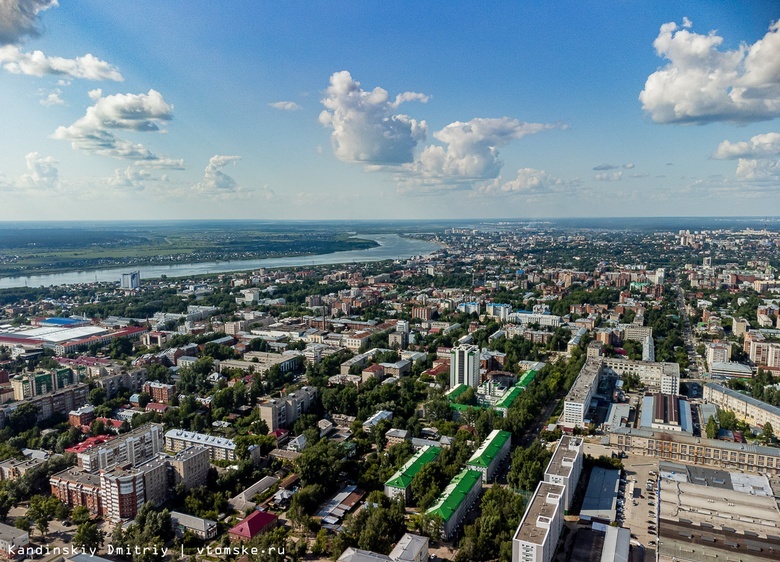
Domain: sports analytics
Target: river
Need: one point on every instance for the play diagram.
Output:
(391, 247)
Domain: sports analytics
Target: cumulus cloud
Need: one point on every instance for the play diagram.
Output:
(214, 179)
(41, 172)
(471, 151)
(36, 63)
(285, 105)
(758, 158)
(132, 177)
(366, 128)
(759, 146)
(702, 83)
(530, 181)
(605, 176)
(19, 18)
(134, 112)
(53, 98)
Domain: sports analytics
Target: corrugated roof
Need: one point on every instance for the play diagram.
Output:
(487, 452)
(403, 477)
(453, 495)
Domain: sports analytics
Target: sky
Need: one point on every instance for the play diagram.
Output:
(400, 110)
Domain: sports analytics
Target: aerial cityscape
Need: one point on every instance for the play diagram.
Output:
(396, 282)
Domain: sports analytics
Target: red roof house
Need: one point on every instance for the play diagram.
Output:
(256, 523)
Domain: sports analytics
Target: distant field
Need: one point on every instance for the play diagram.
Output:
(40, 248)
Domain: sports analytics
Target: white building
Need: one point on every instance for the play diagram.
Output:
(464, 366)
(130, 280)
(718, 352)
(565, 467)
(537, 535)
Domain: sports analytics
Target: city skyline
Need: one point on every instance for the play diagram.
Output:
(352, 111)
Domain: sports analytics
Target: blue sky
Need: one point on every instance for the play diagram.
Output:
(352, 110)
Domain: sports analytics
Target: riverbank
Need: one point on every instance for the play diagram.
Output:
(384, 247)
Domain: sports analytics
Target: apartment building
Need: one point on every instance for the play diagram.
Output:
(537, 535)
(491, 453)
(123, 493)
(132, 448)
(464, 366)
(160, 392)
(577, 401)
(456, 500)
(74, 486)
(190, 466)
(282, 412)
(748, 409)
(177, 440)
(688, 449)
(718, 352)
(565, 467)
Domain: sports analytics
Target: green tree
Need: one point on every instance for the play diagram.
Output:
(42, 510)
(97, 396)
(767, 433)
(711, 429)
(80, 515)
(88, 536)
(143, 399)
(23, 523)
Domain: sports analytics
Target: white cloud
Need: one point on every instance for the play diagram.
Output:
(41, 172)
(95, 94)
(471, 151)
(214, 179)
(758, 158)
(131, 177)
(134, 112)
(752, 169)
(365, 126)
(53, 98)
(36, 63)
(530, 181)
(285, 105)
(19, 18)
(604, 176)
(703, 84)
(759, 146)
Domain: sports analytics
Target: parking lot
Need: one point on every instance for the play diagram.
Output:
(640, 509)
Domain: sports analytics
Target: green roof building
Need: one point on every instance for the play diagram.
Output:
(456, 500)
(400, 482)
(491, 454)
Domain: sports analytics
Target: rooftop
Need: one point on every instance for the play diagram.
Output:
(585, 381)
(456, 491)
(484, 456)
(565, 456)
(540, 511)
(403, 476)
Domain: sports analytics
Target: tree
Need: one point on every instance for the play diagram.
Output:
(97, 396)
(80, 515)
(42, 510)
(98, 427)
(23, 418)
(712, 428)
(767, 433)
(23, 523)
(88, 536)
(143, 399)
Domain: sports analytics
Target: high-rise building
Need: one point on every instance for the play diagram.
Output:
(130, 280)
(122, 491)
(282, 412)
(464, 366)
(133, 448)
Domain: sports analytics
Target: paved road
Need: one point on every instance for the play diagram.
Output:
(690, 344)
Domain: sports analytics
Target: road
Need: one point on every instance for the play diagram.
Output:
(690, 344)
